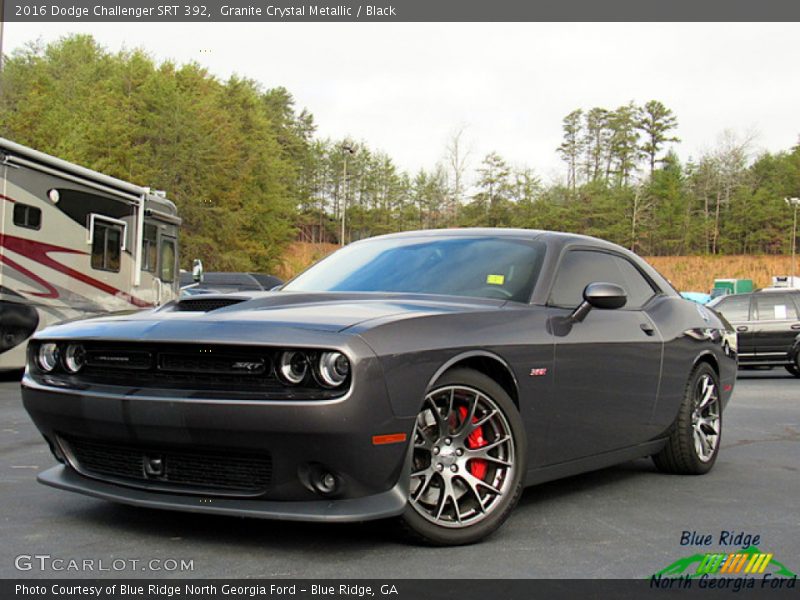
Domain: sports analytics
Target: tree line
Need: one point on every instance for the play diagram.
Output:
(249, 174)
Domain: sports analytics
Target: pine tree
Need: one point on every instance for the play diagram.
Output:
(655, 121)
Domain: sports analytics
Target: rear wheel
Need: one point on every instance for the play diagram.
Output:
(468, 460)
(695, 436)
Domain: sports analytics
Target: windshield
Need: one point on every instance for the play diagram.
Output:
(455, 266)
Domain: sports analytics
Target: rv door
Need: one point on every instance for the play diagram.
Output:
(167, 267)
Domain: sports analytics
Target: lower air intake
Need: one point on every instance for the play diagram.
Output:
(189, 469)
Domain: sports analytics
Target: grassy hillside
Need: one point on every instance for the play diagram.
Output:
(687, 273)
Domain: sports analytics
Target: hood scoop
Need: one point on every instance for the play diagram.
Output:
(205, 304)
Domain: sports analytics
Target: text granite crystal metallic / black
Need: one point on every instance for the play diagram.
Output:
(425, 375)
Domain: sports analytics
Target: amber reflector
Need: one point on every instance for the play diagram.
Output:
(389, 438)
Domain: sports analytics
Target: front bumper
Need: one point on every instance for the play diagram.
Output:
(385, 504)
(301, 438)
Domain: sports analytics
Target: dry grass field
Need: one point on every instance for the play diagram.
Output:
(687, 273)
(697, 273)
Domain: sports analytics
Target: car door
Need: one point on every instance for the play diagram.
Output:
(736, 309)
(775, 325)
(607, 367)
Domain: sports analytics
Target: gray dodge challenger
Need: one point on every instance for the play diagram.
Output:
(427, 375)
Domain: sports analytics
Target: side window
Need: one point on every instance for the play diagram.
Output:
(149, 247)
(774, 307)
(167, 260)
(27, 216)
(106, 246)
(796, 299)
(579, 268)
(638, 288)
(735, 308)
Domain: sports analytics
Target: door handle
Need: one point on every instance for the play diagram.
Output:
(796, 326)
(741, 328)
(647, 328)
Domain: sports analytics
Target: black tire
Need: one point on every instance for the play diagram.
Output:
(681, 455)
(420, 528)
(794, 368)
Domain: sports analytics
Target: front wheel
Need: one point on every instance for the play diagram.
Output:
(694, 438)
(469, 460)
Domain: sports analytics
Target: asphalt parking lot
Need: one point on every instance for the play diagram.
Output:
(625, 521)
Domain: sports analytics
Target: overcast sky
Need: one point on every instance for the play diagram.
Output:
(404, 88)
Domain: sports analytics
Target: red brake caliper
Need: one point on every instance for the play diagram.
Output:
(475, 440)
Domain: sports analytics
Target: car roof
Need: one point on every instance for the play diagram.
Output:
(762, 292)
(255, 281)
(558, 237)
(759, 292)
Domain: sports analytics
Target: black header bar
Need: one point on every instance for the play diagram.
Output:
(401, 10)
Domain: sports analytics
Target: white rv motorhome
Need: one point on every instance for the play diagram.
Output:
(75, 243)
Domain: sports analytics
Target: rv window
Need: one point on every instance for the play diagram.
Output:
(27, 216)
(167, 261)
(149, 247)
(106, 246)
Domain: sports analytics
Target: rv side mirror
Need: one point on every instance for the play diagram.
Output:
(197, 270)
(607, 296)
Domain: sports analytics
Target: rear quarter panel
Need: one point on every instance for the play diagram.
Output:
(691, 333)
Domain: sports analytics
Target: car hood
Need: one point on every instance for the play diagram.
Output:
(331, 312)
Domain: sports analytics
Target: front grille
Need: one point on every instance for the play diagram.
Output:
(116, 358)
(192, 370)
(230, 364)
(246, 473)
(206, 304)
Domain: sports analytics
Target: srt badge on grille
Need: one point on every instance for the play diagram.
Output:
(248, 366)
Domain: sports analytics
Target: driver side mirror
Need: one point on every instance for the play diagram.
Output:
(607, 296)
(197, 270)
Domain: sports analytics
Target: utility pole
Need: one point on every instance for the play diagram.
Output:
(347, 149)
(795, 203)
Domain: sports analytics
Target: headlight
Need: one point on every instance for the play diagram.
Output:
(333, 369)
(74, 358)
(48, 356)
(293, 367)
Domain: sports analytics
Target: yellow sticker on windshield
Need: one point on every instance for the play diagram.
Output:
(495, 279)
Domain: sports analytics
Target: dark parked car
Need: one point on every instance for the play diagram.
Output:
(768, 327)
(221, 282)
(426, 375)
